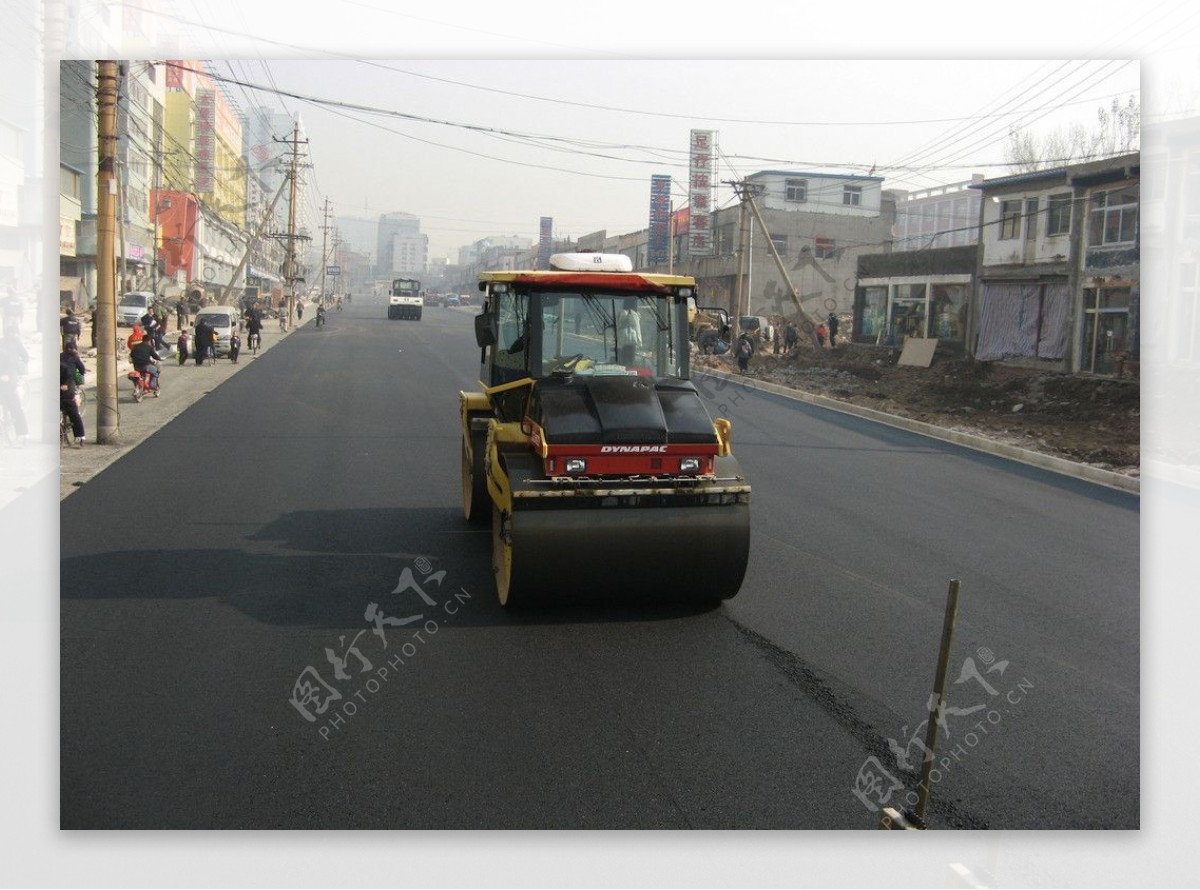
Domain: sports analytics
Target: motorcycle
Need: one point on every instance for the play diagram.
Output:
(320, 317)
(144, 384)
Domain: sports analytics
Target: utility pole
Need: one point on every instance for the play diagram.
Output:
(290, 261)
(337, 242)
(742, 191)
(108, 430)
(324, 234)
(746, 192)
(250, 246)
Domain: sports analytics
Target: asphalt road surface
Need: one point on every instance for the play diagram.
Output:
(273, 616)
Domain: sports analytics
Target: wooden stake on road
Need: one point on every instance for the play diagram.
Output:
(939, 693)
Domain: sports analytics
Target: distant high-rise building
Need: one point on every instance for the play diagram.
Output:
(402, 247)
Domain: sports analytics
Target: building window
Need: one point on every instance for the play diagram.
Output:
(852, 195)
(1031, 215)
(780, 242)
(68, 183)
(872, 314)
(1114, 216)
(908, 313)
(796, 191)
(1058, 215)
(1010, 220)
(948, 311)
(823, 248)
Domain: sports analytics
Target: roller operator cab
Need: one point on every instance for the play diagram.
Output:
(588, 448)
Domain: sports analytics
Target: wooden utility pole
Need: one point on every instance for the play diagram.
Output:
(108, 426)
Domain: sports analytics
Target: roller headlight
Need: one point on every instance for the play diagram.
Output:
(689, 465)
(576, 465)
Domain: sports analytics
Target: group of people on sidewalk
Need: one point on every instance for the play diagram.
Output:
(783, 341)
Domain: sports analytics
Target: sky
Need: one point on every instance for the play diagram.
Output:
(479, 148)
(710, 65)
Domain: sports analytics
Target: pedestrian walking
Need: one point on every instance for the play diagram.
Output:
(833, 329)
(791, 337)
(205, 339)
(821, 332)
(744, 351)
(181, 346)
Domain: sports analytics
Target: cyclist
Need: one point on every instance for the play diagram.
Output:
(254, 326)
(320, 314)
(70, 377)
(145, 360)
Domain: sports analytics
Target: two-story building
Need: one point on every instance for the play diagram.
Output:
(1058, 269)
(818, 224)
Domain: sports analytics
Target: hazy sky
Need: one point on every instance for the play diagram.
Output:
(482, 118)
(486, 147)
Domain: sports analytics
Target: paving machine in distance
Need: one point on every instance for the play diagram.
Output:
(589, 449)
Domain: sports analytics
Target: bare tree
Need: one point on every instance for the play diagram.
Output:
(1118, 130)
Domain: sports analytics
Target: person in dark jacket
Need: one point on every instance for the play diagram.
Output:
(71, 327)
(70, 375)
(144, 357)
(832, 323)
(205, 338)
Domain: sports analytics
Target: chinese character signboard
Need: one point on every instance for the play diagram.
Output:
(206, 112)
(545, 242)
(659, 247)
(701, 188)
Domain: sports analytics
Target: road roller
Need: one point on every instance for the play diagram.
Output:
(588, 448)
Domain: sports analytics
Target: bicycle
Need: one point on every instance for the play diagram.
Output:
(253, 340)
(66, 431)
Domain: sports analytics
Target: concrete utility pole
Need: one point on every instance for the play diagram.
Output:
(324, 234)
(250, 246)
(746, 192)
(108, 430)
(290, 262)
(736, 326)
(333, 252)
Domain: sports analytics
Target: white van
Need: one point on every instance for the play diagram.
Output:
(223, 320)
(132, 306)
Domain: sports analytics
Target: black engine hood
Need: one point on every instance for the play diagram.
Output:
(621, 411)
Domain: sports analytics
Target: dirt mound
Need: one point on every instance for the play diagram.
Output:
(1095, 420)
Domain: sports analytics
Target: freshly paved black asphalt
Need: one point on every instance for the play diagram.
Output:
(206, 574)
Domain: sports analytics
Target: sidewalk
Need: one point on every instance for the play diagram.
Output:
(182, 386)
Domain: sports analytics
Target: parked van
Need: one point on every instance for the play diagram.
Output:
(132, 306)
(223, 320)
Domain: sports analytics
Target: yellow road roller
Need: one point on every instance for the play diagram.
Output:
(588, 448)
